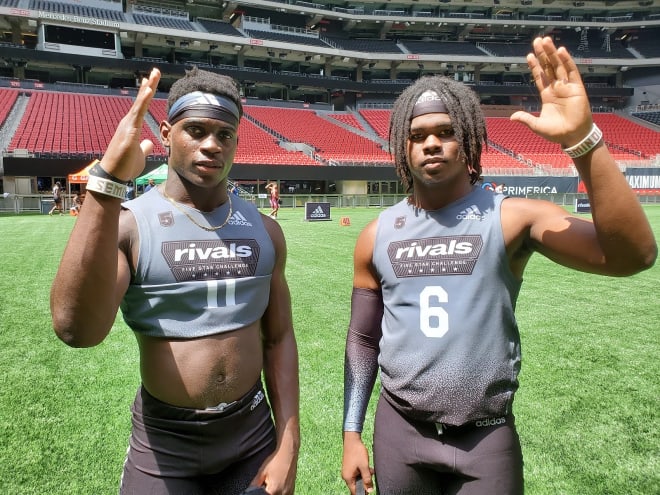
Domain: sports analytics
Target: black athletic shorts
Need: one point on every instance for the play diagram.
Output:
(176, 450)
(421, 458)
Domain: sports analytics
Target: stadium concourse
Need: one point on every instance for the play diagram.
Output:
(318, 81)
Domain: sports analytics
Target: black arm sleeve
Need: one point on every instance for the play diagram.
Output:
(361, 357)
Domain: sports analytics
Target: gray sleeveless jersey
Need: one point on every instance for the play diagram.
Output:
(450, 350)
(190, 282)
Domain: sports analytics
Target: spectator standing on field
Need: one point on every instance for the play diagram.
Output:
(199, 275)
(437, 276)
(274, 191)
(57, 199)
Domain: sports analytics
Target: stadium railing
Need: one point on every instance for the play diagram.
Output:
(37, 203)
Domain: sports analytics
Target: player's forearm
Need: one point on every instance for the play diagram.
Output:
(624, 233)
(361, 354)
(282, 384)
(360, 372)
(83, 301)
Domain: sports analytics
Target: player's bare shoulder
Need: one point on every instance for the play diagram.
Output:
(274, 230)
(367, 237)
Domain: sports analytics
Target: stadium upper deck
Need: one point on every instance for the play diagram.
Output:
(309, 51)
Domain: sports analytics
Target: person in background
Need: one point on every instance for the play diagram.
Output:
(76, 204)
(130, 190)
(274, 191)
(150, 185)
(199, 275)
(437, 276)
(57, 199)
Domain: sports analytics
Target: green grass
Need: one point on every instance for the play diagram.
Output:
(587, 410)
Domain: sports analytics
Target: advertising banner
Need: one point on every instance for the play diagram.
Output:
(582, 205)
(531, 186)
(315, 211)
(644, 180)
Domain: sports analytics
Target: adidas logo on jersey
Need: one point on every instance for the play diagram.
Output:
(238, 219)
(470, 213)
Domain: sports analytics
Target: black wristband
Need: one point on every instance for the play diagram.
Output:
(98, 171)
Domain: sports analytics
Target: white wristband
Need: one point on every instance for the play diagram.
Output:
(107, 187)
(587, 144)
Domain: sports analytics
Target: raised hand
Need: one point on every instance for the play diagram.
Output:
(565, 116)
(126, 153)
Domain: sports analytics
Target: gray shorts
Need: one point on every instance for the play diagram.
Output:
(191, 451)
(480, 458)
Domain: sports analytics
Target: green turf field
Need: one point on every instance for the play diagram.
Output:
(587, 411)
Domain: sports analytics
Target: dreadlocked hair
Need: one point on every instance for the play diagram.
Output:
(206, 82)
(467, 121)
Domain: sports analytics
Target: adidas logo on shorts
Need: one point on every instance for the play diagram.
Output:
(257, 400)
(490, 422)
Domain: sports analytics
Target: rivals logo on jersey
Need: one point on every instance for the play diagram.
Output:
(213, 259)
(452, 255)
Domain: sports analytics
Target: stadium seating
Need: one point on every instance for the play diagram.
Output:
(348, 119)
(255, 145)
(496, 162)
(443, 48)
(72, 8)
(648, 44)
(219, 27)
(67, 123)
(625, 139)
(163, 22)
(304, 126)
(651, 117)
(379, 120)
(506, 49)
(7, 99)
(625, 135)
(286, 37)
(158, 109)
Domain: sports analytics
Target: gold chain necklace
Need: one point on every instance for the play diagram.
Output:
(204, 227)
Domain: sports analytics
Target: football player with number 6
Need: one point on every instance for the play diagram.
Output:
(436, 278)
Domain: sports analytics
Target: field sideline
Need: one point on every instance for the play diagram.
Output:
(588, 409)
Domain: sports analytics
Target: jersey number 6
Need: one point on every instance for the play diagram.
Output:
(433, 319)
